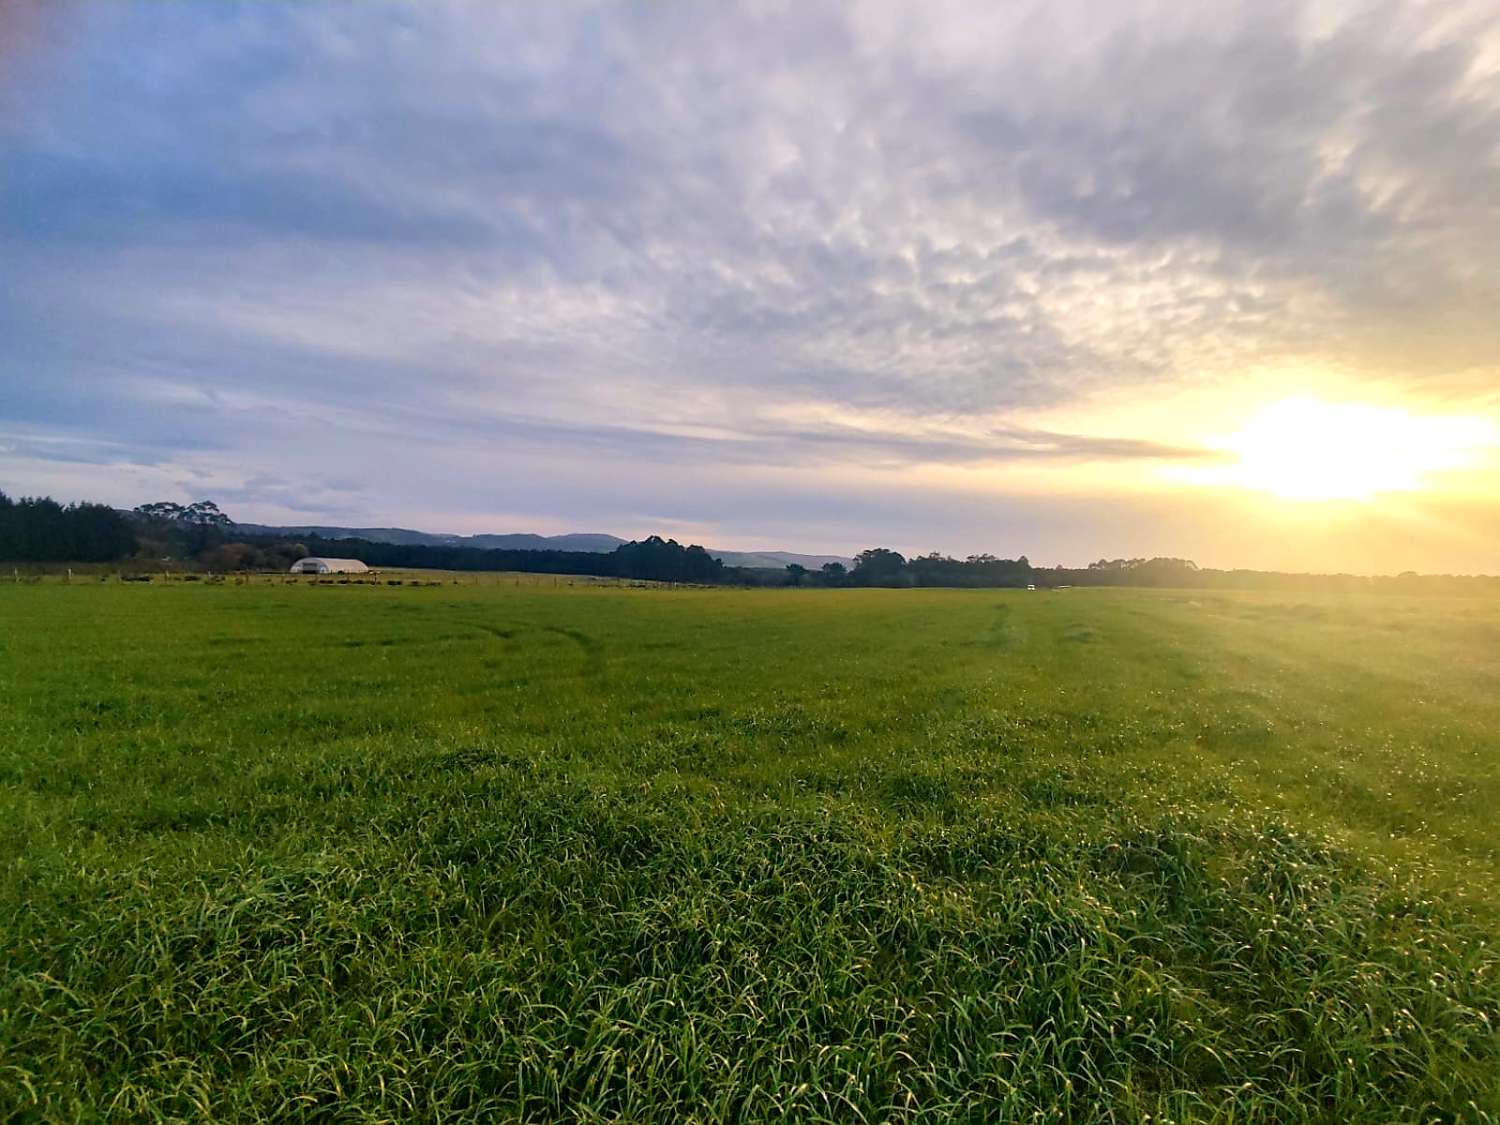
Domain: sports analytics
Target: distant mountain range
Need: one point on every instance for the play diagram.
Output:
(596, 542)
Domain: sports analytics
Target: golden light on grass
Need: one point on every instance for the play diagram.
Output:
(1307, 450)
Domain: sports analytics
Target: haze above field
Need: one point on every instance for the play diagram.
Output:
(1074, 280)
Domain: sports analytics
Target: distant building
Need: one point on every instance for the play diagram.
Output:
(328, 566)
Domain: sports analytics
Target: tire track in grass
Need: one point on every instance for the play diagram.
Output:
(590, 648)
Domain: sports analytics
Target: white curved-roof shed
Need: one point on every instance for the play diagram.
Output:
(328, 566)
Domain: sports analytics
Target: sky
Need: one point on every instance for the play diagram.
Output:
(1068, 280)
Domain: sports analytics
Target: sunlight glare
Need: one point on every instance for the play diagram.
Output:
(1303, 449)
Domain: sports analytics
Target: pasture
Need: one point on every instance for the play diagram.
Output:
(500, 852)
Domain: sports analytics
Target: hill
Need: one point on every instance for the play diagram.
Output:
(407, 537)
(597, 542)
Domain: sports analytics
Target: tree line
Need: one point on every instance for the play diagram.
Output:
(41, 530)
(887, 568)
(653, 558)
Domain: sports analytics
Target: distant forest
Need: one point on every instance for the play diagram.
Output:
(39, 529)
(200, 536)
(654, 558)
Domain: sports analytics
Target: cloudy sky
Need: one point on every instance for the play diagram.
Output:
(1068, 279)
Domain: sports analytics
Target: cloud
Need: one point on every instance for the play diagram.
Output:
(835, 237)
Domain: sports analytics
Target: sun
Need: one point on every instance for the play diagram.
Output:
(1303, 449)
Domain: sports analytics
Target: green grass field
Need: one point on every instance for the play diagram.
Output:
(500, 853)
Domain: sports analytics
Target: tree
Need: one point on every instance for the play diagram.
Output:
(203, 526)
(878, 566)
(232, 556)
(834, 573)
(665, 560)
(162, 512)
(98, 533)
(795, 573)
(194, 529)
(205, 513)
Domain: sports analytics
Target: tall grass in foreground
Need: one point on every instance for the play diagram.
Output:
(722, 856)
